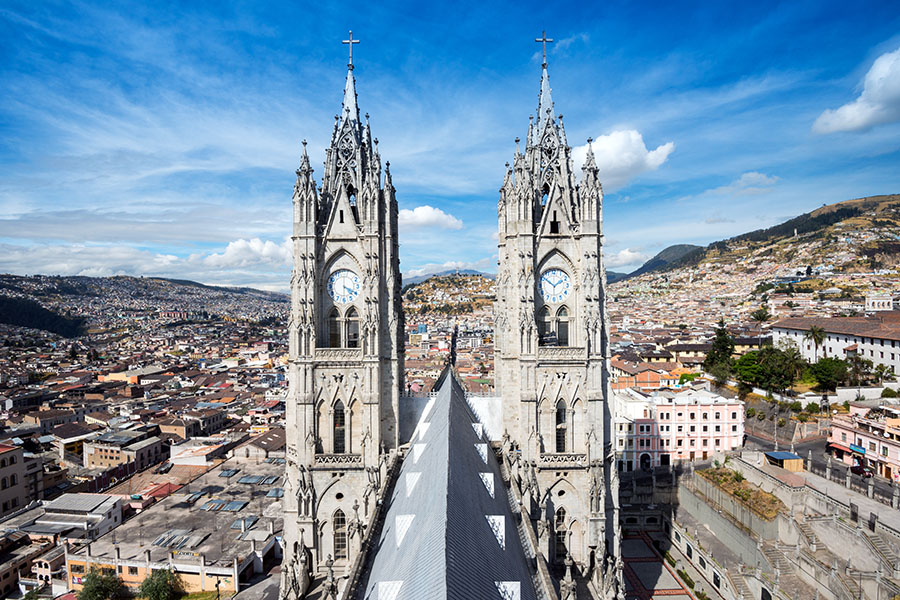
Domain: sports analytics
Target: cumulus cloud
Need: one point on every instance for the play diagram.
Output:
(878, 103)
(621, 156)
(427, 216)
(625, 257)
(748, 184)
(243, 253)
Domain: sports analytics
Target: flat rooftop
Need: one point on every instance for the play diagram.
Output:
(198, 518)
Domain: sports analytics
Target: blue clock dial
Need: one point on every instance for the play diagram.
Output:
(555, 285)
(343, 286)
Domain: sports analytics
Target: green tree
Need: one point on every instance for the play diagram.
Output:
(829, 372)
(162, 584)
(747, 369)
(103, 587)
(813, 408)
(816, 335)
(718, 361)
(859, 369)
(32, 594)
(776, 373)
(883, 372)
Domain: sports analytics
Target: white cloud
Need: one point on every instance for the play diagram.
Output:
(625, 257)
(748, 184)
(878, 103)
(621, 156)
(243, 253)
(427, 216)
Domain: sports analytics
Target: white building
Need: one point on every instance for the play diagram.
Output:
(875, 337)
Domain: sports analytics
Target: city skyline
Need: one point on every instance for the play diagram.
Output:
(162, 141)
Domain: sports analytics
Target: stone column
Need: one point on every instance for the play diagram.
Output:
(809, 461)
(847, 477)
(828, 469)
(870, 487)
(895, 496)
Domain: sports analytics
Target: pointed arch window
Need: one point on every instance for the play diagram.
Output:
(340, 424)
(562, 326)
(545, 194)
(560, 534)
(340, 535)
(334, 329)
(544, 328)
(352, 328)
(553, 328)
(561, 426)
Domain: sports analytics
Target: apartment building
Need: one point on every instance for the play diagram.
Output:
(868, 437)
(659, 428)
(13, 490)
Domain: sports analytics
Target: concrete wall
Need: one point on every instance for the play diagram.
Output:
(736, 509)
(730, 534)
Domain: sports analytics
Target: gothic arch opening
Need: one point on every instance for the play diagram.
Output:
(561, 426)
(352, 320)
(339, 527)
(339, 428)
(559, 535)
(543, 324)
(334, 328)
(562, 326)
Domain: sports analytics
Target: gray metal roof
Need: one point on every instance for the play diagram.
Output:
(84, 503)
(449, 532)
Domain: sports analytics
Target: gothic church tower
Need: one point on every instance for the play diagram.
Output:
(346, 348)
(551, 348)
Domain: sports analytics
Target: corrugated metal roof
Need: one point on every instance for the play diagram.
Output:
(449, 532)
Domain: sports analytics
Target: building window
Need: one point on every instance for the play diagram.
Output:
(352, 328)
(843, 437)
(872, 446)
(339, 424)
(340, 536)
(560, 534)
(132, 570)
(884, 450)
(334, 329)
(560, 426)
(562, 326)
(543, 324)
(13, 479)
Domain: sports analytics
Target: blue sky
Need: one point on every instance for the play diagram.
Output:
(163, 139)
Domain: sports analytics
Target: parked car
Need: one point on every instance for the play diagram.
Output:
(861, 470)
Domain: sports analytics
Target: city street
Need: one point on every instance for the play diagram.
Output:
(883, 487)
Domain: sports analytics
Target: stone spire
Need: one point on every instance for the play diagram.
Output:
(349, 111)
(545, 101)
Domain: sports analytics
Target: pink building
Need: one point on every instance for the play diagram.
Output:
(869, 437)
(660, 428)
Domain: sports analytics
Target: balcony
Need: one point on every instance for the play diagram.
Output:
(338, 354)
(561, 353)
(339, 461)
(560, 460)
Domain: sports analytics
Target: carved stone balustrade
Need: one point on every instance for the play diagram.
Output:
(561, 353)
(338, 354)
(339, 461)
(560, 460)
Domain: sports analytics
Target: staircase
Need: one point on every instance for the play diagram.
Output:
(882, 550)
(788, 583)
(808, 534)
(740, 587)
(851, 584)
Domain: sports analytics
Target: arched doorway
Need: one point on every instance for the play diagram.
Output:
(646, 462)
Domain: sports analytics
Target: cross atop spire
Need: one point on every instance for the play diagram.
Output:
(543, 40)
(350, 43)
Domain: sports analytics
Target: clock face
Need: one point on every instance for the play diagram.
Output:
(343, 286)
(555, 285)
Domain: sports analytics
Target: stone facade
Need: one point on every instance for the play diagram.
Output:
(346, 349)
(551, 348)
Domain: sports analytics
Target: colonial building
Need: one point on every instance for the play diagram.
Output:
(552, 348)
(346, 344)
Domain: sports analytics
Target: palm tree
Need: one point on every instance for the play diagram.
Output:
(760, 315)
(794, 363)
(816, 335)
